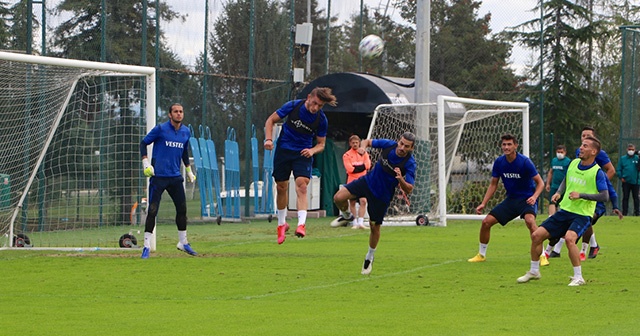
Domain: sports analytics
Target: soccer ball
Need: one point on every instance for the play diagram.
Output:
(371, 46)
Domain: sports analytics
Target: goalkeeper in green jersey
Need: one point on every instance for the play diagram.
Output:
(585, 185)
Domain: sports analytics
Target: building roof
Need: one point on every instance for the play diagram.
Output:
(362, 92)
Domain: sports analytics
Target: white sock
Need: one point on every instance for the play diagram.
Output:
(584, 247)
(147, 239)
(483, 249)
(577, 271)
(535, 267)
(282, 216)
(361, 221)
(302, 217)
(346, 214)
(548, 249)
(592, 240)
(182, 237)
(558, 246)
(369, 255)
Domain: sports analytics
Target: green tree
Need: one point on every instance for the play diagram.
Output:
(5, 16)
(80, 37)
(15, 23)
(229, 60)
(465, 55)
(570, 101)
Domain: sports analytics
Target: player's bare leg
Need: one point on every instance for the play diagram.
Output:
(282, 198)
(485, 236)
(302, 203)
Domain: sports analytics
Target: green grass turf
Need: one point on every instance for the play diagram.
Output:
(243, 283)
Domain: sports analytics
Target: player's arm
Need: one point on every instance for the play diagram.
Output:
(493, 186)
(609, 170)
(185, 159)
(603, 190)
(549, 179)
(404, 185)
(268, 129)
(406, 182)
(363, 145)
(555, 197)
(319, 147)
(367, 161)
(346, 161)
(146, 141)
(147, 168)
(539, 187)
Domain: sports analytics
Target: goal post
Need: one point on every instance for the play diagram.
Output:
(457, 141)
(70, 176)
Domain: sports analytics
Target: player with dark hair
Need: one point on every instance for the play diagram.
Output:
(395, 167)
(356, 165)
(170, 146)
(585, 185)
(294, 152)
(523, 185)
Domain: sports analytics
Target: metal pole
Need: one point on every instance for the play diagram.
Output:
(43, 40)
(206, 63)
(328, 36)
(143, 50)
(103, 31)
(28, 47)
(308, 56)
(157, 60)
(247, 121)
(361, 33)
(292, 29)
(541, 163)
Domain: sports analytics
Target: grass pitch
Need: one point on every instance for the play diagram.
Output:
(243, 283)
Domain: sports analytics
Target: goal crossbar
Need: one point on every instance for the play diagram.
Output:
(442, 167)
(91, 68)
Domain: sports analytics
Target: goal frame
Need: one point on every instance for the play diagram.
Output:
(443, 174)
(112, 69)
(424, 116)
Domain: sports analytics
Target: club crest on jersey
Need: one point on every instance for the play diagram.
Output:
(174, 144)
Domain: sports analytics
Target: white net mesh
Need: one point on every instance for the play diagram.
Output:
(471, 144)
(69, 170)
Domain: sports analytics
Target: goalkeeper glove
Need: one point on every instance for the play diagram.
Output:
(190, 177)
(148, 169)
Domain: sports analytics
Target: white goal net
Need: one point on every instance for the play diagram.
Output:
(457, 141)
(70, 172)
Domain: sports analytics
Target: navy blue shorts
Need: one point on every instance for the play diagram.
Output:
(511, 208)
(563, 221)
(375, 207)
(173, 186)
(285, 161)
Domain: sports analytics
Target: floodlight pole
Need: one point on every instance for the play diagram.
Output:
(422, 78)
